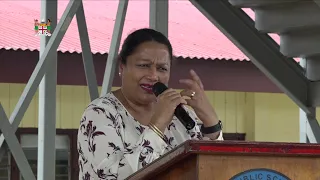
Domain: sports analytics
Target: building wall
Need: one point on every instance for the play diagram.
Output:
(262, 116)
(216, 74)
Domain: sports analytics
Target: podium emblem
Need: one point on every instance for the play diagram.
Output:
(260, 174)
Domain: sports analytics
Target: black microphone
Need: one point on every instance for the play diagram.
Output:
(179, 112)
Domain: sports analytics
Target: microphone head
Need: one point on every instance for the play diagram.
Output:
(159, 88)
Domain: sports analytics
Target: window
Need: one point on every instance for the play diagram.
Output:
(5, 166)
(29, 144)
(66, 153)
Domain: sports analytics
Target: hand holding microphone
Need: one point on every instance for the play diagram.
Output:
(167, 102)
(170, 102)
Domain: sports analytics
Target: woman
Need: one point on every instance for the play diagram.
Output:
(129, 128)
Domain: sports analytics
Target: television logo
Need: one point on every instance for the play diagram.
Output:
(42, 28)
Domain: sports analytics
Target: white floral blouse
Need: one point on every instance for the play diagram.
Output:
(113, 145)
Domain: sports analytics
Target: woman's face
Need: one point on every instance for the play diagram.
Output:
(148, 64)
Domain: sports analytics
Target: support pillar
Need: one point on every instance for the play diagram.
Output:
(47, 100)
(35, 79)
(114, 48)
(86, 54)
(312, 67)
(303, 120)
(159, 15)
(309, 126)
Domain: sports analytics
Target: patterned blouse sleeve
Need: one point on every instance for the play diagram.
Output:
(101, 145)
(195, 133)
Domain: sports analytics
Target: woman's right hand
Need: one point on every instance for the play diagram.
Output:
(165, 107)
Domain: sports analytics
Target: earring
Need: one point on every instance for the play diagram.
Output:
(119, 73)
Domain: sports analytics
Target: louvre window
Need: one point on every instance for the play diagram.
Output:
(5, 167)
(63, 169)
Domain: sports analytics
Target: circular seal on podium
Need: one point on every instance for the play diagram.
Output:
(260, 174)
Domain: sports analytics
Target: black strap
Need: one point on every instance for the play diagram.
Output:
(211, 129)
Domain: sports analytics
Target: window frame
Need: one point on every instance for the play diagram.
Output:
(71, 133)
(8, 165)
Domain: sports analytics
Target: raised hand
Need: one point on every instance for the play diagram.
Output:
(198, 99)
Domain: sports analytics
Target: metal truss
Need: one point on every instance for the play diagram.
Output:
(265, 54)
(114, 48)
(260, 48)
(86, 54)
(317, 2)
(158, 20)
(159, 16)
(45, 73)
(309, 127)
(233, 22)
(14, 146)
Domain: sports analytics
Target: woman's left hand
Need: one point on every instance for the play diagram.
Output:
(198, 100)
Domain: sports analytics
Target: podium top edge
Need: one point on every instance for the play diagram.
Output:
(252, 147)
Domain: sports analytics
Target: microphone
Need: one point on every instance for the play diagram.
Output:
(179, 112)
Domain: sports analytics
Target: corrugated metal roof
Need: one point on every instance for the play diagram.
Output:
(190, 33)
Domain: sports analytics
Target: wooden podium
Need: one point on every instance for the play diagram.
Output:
(234, 160)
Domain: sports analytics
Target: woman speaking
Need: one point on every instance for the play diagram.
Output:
(129, 128)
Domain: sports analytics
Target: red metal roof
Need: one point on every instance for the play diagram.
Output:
(191, 34)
